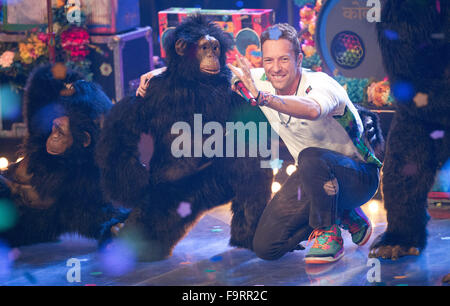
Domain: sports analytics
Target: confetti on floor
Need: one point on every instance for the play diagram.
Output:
(400, 277)
(209, 270)
(216, 258)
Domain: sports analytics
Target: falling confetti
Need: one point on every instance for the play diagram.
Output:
(438, 6)
(274, 34)
(216, 258)
(390, 34)
(400, 277)
(421, 99)
(184, 209)
(445, 238)
(118, 258)
(299, 194)
(276, 163)
(8, 215)
(437, 134)
(403, 91)
(96, 273)
(10, 102)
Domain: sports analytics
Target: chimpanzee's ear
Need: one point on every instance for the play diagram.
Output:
(87, 139)
(180, 46)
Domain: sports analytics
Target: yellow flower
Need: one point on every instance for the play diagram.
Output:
(60, 3)
(378, 93)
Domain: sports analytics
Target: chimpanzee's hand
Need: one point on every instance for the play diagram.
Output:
(145, 81)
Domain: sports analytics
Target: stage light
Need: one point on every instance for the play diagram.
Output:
(4, 163)
(291, 169)
(275, 171)
(276, 187)
(374, 206)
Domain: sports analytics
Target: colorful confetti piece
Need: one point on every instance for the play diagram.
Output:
(400, 277)
(184, 209)
(276, 163)
(390, 34)
(209, 270)
(437, 134)
(421, 99)
(216, 258)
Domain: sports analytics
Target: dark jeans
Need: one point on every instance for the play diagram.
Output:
(303, 204)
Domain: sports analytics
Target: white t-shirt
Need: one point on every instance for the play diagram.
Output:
(325, 132)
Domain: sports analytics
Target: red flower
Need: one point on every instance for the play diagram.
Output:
(75, 42)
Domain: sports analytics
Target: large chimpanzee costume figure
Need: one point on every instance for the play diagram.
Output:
(136, 149)
(415, 54)
(56, 187)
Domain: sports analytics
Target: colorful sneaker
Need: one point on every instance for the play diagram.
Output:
(357, 223)
(328, 246)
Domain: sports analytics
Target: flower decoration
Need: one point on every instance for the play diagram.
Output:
(72, 46)
(75, 42)
(6, 59)
(378, 93)
(309, 11)
(106, 69)
(32, 49)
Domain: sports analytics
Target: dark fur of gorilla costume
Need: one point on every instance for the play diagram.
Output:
(155, 183)
(419, 57)
(55, 194)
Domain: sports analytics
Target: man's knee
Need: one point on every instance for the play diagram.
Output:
(310, 161)
(265, 250)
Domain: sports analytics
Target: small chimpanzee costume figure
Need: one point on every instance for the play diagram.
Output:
(136, 149)
(55, 188)
(415, 54)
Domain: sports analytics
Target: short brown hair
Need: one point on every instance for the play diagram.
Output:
(282, 30)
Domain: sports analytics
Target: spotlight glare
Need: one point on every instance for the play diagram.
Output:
(276, 187)
(291, 169)
(4, 163)
(373, 207)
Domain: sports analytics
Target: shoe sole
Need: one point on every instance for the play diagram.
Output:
(369, 230)
(325, 260)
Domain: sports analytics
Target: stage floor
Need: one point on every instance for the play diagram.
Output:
(203, 258)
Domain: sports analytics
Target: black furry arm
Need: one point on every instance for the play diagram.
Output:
(124, 178)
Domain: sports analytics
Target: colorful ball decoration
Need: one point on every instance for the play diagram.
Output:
(347, 49)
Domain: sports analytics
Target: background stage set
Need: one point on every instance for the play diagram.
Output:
(114, 42)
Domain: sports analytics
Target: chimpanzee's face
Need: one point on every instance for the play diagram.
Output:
(60, 138)
(208, 53)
